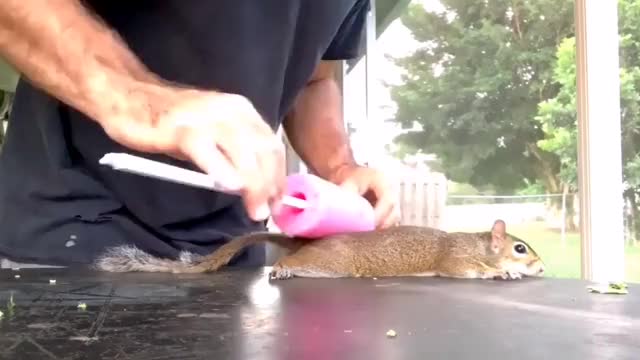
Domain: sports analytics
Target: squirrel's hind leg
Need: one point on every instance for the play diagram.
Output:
(292, 266)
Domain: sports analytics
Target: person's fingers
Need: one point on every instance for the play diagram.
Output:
(391, 219)
(377, 190)
(232, 165)
(268, 181)
(221, 171)
(272, 163)
(246, 160)
(205, 155)
(382, 203)
(255, 151)
(271, 158)
(351, 185)
(384, 208)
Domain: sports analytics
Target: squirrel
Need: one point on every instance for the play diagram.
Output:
(402, 250)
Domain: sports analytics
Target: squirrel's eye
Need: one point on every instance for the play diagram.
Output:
(520, 249)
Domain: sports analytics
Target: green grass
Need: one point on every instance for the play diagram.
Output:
(564, 261)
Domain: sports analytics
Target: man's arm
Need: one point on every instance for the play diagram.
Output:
(315, 126)
(61, 48)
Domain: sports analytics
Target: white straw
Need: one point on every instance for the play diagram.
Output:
(154, 169)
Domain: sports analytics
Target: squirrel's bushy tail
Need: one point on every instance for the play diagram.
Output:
(128, 258)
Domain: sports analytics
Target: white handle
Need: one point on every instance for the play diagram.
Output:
(154, 169)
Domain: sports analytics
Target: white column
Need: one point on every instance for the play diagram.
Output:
(360, 100)
(599, 140)
(370, 61)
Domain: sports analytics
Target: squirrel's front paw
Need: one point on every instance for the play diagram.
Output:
(509, 275)
(279, 273)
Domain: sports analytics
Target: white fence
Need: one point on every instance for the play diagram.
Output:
(423, 199)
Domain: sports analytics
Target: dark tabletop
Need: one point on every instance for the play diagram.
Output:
(239, 314)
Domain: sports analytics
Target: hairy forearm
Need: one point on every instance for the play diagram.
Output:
(316, 130)
(64, 50)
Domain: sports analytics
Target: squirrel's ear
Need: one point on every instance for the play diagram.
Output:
(499, 227)
(498, 234)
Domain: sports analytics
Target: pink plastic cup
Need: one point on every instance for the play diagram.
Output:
(330, 209)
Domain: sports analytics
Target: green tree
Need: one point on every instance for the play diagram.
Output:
(475, 85)
(558, 120)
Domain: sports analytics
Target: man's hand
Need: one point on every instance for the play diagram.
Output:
(375, 187)
(220, 133)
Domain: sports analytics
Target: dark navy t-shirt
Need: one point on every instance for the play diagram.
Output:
(59, 206)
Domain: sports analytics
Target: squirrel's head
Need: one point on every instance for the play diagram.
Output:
(515, 254)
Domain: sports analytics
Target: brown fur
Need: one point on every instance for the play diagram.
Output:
(396, 251)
